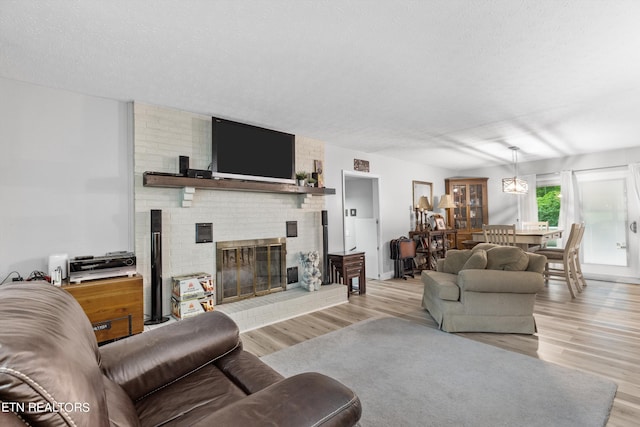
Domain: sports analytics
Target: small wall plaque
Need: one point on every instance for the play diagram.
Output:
(361, 165)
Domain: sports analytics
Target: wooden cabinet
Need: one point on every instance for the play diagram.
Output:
(471, 211)
(114, 306)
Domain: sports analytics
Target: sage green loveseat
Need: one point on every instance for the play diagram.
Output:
(489, 288)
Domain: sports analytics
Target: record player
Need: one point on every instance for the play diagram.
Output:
(113, 264)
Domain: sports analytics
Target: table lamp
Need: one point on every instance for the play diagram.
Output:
(446, 202)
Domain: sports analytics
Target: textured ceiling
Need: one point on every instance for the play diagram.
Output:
(454, 82)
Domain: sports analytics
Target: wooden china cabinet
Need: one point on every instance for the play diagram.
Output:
(471, 211)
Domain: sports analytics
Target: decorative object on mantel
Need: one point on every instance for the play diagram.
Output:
(361, 165)
(300, 177)
(446, 202)
(514, 185)
(317, 164)
(311, 182)
(311, 276)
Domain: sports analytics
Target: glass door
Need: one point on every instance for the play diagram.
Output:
(460, 211)
(609, 246)
(476, 204)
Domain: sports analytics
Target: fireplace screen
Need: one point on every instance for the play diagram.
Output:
(248, 268)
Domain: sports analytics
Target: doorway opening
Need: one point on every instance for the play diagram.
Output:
(361, 220)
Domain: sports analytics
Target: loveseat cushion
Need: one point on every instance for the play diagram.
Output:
(477, 261)
(508, 258)
(455, 260)
(496, 281)
(537, 262)
(441, 285)
(484, 247)
(49, 357)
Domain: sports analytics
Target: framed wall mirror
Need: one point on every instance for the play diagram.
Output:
(422, 189)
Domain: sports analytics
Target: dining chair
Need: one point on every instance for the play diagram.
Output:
(500, 234)
(569, 258)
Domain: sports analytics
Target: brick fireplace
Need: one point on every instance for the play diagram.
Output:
(161, 135)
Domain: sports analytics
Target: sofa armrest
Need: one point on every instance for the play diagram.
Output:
(308, 399)
(247, 371)
(146, 362)
(517, 282)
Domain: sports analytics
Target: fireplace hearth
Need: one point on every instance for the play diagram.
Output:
(250, 268)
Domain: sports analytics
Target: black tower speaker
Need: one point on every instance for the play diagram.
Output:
(325, 248)
(156, 269)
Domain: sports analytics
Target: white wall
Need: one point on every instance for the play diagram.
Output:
(396, 194)
(503, 208)
(66, 182)
(65, 176)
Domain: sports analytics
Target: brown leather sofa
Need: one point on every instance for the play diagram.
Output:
(189, 373)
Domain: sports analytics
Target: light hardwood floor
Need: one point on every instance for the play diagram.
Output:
(598, 332)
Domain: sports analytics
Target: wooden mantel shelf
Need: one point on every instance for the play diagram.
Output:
(152, 179)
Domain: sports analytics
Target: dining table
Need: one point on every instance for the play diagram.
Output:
(527, 239)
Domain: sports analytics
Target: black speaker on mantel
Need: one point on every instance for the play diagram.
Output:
(325, 248)
(183, 162)
(156, 269)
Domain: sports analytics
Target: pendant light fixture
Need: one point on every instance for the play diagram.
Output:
(514, 185)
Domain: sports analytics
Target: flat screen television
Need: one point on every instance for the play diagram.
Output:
(243, 151)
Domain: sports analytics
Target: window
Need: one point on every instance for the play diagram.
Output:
(548, 198)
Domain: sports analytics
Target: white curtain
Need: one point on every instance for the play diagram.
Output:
(529, 212)
(634, 171)
(569, 203)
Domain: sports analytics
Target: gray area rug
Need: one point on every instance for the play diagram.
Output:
(411, 375)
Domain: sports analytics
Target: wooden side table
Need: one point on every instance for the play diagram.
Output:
(114, 306)
(346, 266)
